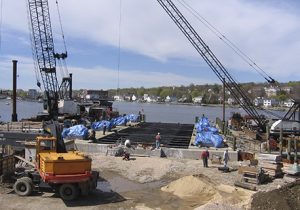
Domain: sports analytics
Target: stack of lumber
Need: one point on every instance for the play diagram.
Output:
(271, 164)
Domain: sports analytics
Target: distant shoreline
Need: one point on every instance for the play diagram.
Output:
(212, 105)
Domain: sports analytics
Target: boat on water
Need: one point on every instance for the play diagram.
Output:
(7, 103)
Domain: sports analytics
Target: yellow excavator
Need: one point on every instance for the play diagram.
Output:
(68, 173)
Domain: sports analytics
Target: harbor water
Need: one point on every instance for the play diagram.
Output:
(165, 113)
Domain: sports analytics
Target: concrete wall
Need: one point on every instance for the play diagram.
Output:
(86, 147)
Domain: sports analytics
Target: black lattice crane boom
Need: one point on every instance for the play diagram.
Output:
(45, 55)
(235, 89)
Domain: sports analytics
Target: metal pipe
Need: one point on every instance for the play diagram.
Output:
(14, 116)
(70, 86)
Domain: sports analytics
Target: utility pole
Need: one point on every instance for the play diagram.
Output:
(14, 116)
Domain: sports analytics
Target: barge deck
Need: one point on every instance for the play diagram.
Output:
(174, 135)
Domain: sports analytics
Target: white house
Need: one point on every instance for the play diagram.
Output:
(168, 99)
(288, 103)
(258, 101)
(118, 98)
(270, 102)
(145, 97)
(197, 100)
(150, 99)
(133, 97)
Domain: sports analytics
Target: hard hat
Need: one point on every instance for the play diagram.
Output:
(127, 143)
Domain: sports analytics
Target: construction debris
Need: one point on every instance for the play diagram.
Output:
(271, 164)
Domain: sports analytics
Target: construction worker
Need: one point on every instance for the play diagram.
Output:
(157, 140)
(225, 158)
(104, 128)
(204, 157)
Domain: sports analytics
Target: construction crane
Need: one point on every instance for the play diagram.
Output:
(234, 88)
(45, 58)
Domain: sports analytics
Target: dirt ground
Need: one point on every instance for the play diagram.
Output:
(149, 183)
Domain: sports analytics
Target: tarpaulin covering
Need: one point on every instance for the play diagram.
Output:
(207, 135)
(122, 120)
(100, 124)
(77, 131)
(132, 117)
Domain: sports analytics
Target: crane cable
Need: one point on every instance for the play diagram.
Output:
(229, 43)
(1, 24)
(63, 65)
(119, 46)
(35, 63)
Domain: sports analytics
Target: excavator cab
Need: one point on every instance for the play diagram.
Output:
(46, 144)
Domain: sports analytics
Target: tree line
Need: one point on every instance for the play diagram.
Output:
(210, 93)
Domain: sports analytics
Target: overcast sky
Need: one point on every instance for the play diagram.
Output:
(153, 51)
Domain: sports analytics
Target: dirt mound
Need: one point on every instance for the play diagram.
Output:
(200, 190)
(188, 186)
(287, 197)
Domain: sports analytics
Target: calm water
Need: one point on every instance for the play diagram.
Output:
(25, 109)
(166, 113)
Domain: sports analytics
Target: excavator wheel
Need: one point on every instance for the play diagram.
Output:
(23, 186)
(68, 192)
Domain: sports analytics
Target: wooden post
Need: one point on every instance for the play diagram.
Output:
(289, 149)
(295, 150)
(268, 136)
(234, 143)
(280, 140)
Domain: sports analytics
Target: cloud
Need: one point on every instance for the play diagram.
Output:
(25, 71)
(96, 77)
(99, 77)
(268, 33)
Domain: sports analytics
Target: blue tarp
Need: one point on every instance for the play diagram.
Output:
(122, 120)
(207, 135)
(100, 124)
(132, 117)
(77, 131)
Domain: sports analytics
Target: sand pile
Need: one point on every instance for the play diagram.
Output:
(198, 186)
(201, 190)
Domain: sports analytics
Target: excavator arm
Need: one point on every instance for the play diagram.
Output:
(55, 129)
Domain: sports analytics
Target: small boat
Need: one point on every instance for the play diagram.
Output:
(7, 103)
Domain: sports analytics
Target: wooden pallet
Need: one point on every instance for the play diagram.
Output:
(250, 177)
